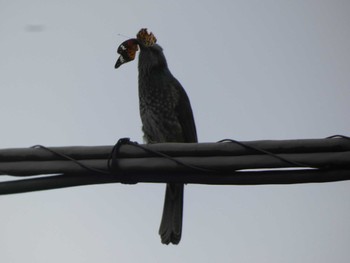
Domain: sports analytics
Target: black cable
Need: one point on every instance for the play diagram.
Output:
(112, 162)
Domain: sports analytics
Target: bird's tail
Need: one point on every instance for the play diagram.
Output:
(171, 225)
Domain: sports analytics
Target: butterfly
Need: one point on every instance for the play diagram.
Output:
(127, 51)
(128, 48)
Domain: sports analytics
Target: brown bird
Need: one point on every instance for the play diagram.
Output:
(166, 116)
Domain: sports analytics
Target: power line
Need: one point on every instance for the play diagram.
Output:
(225, 162)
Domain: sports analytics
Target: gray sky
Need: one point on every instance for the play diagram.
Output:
(253, 70)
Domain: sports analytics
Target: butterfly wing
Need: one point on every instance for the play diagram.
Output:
(127, 51)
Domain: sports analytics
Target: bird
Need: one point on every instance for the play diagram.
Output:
(166, 116)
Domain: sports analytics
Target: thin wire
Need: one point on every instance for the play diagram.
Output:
(112, 159)
(338, 136)
(157, 153)
(64, 156)
(294, 163)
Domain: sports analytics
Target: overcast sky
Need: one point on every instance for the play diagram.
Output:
(253, 70)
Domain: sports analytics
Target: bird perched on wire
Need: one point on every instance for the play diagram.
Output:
(166, 116)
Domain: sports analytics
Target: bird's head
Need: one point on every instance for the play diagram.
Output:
(128, 48)
(145, 39)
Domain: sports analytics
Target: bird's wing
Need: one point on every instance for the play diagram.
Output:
(185, 115)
